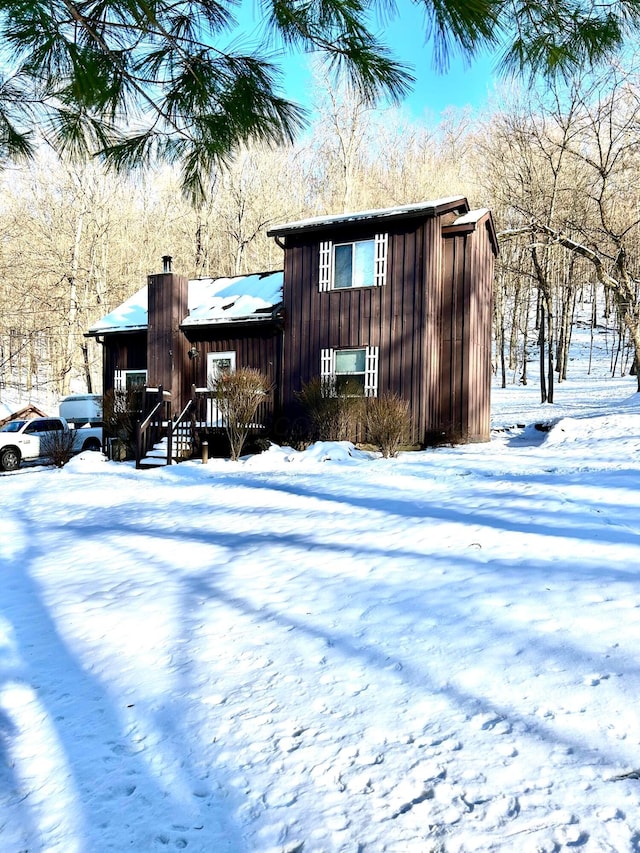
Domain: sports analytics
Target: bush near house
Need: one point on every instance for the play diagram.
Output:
(57, 446)
(388, 423)
(121, 410)
(238, 396)
(334, 414)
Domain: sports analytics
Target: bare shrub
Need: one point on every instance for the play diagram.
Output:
(57, 446)
(388, 423)
(238, 396)
(334, 414)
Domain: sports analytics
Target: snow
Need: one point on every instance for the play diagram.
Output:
(130, 316)
(328, 651)
(210, 300)
(378, 213)
(241, 298)
(473, 216)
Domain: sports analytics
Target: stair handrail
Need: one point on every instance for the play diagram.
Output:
(143, 426)
(173, 425)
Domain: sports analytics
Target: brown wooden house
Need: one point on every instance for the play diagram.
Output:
(399, 300)
(395, 300)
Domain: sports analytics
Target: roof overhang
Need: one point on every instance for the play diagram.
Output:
(260, 317)
(422, 209)
(470, 221)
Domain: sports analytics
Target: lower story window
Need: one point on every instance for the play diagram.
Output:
(130, 380)
(128, 387)
(354, 371)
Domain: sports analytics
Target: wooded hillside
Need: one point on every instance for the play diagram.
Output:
(558, 171)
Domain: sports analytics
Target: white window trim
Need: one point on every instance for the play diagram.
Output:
(120, 378)
(213, 357)
(326, 269)
(215, 418)
(328, 367)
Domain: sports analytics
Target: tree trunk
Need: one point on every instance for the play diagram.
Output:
(541, 341)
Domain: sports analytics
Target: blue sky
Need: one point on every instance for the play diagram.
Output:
(464, 85)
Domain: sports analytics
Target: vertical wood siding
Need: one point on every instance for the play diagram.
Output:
(124, 351)
(431, 322)
(465, 389)
(392, 317)
(167, 347)
(256, 346)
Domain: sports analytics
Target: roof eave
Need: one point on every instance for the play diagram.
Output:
(467, 226)
(248, 319)
(114, 330)
(324, 223)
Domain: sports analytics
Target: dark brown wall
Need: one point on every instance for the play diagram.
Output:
(401, 318)
(257, 346)
(166, 345)
(126, 351)
(431, 322)
(465, 389)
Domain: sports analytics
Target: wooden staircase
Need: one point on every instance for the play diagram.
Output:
(180, 439)
(161, 439)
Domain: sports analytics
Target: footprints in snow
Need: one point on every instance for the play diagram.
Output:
(179, 843)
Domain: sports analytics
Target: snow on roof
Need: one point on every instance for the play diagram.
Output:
(131, 316)
(472, 217)
(221, 300)
(427, 207)
(210, 300)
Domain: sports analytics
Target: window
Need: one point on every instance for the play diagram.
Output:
(128, 389)
(48, 425)
(361, 263)
(130, 380)
(355, 371)
(218, 363)
(12, 426)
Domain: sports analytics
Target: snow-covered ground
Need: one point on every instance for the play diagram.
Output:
(325, 651)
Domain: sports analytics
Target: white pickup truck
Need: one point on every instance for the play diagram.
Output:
(27, 439)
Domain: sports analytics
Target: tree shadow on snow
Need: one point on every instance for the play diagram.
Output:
(112, 796)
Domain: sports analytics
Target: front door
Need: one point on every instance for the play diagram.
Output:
(217, 364)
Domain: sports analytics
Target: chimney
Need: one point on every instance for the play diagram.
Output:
(166, 344)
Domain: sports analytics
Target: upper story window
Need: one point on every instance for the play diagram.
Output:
(361, 263)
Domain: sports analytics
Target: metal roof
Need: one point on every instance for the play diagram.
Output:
(245, 298)
(422, 208)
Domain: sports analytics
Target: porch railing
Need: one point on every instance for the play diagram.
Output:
(155, 425)
(207, 416)
(181, 434)
(200, 415)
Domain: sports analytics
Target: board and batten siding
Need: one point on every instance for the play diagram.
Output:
(124, 351)
(257, 346)
(167, 347)
(465, 389)
(393, 317)
(431, 321)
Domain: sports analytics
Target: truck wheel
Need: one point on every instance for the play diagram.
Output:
(92, 444)
(10, 459)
